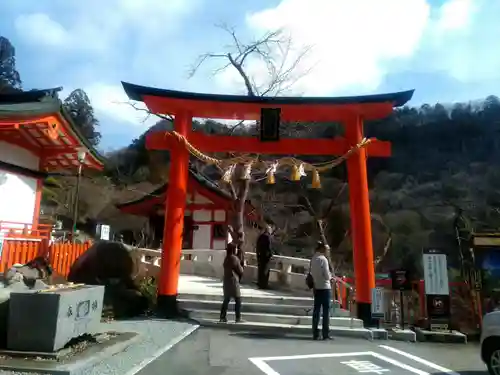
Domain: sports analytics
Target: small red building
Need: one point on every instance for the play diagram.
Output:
(36, 136)
(206, 216)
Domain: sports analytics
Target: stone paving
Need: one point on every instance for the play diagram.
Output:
(191, 284)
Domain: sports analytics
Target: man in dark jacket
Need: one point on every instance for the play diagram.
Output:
(264, 255)
(233, 271)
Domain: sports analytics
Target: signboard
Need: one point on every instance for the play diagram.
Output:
(400, 280)
(440, 327)
(2, 237)
(104, 232)
(435, 272)
(437, 289)
(378, 308)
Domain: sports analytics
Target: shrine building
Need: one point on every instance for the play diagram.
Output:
(205, 219)
(37, 136)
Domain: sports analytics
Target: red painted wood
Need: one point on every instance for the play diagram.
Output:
(251, 111)
(252, 145)
(174, 216)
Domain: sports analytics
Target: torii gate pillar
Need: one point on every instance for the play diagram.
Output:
(361, 230)
(174, 220)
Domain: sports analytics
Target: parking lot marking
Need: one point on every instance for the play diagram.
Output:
(311, 356)
(396, 363)
(263, 366)
(260, 362)
(425, 362)
(365, 367)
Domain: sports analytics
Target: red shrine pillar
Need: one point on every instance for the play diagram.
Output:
(361, 231)
(174, 221)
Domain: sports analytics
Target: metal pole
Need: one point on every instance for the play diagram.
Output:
(75, 202)
(402, 312)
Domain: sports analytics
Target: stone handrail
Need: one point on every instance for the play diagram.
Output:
(287, 273)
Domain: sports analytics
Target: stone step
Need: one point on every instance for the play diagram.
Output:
(276, 318)
(285, 329)
(270, 299)
(252, 307)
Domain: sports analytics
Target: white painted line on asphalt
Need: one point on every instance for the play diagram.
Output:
(399, 364)
(420, 360)
(310, 356)
(134, 370)
(263, 366)
(260, 362)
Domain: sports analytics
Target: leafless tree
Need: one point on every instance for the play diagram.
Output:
(275, 50)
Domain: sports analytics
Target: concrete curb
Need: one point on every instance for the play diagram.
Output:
(286, 330)
(402, 335)
(453, 337)
(74, 367)
(134, 370)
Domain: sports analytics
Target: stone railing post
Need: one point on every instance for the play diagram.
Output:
(285, 277)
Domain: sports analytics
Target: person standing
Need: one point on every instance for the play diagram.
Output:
(264, 255)
(233, 272)
(322, 279)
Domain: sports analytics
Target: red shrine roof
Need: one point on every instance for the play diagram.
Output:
(197, 182)
(36, 120)
(316, 109)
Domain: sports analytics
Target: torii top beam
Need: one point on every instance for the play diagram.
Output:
(239, 107)
(311, 109)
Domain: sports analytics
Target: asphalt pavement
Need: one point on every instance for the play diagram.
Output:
(219, 352)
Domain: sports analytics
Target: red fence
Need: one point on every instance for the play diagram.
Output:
(61, 255)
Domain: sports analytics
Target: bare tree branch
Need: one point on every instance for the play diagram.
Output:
(149, 113)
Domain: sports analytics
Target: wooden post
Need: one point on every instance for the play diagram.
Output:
(361, 230)
(174, 221)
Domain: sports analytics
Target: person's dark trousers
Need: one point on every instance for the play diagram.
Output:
(322, 298)
(225, 305)
(263, 273)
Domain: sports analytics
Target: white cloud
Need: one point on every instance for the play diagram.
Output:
(355, 43)
(105, 34)
(94, 26)
(111, 100)
(39, 28)
(455, 15)
(351, 40)
(462, 41)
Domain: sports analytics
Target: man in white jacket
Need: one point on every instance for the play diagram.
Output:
(322, 277)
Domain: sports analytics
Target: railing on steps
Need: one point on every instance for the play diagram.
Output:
(287, 272)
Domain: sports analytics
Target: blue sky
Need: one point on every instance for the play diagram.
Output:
(447, 50)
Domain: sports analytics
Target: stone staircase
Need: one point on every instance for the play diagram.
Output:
(286, 310)
(270, 314)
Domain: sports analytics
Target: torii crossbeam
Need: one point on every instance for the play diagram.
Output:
(350, 111)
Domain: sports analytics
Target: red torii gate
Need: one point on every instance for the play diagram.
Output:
(351, 111)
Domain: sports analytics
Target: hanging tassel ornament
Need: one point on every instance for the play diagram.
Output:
(228, 174)
(270, 173)
(298, 172)
(316, 181)
(247, 172)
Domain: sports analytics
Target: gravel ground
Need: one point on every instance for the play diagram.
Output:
(155, 335)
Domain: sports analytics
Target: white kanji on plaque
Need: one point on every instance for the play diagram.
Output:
(365, 367)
